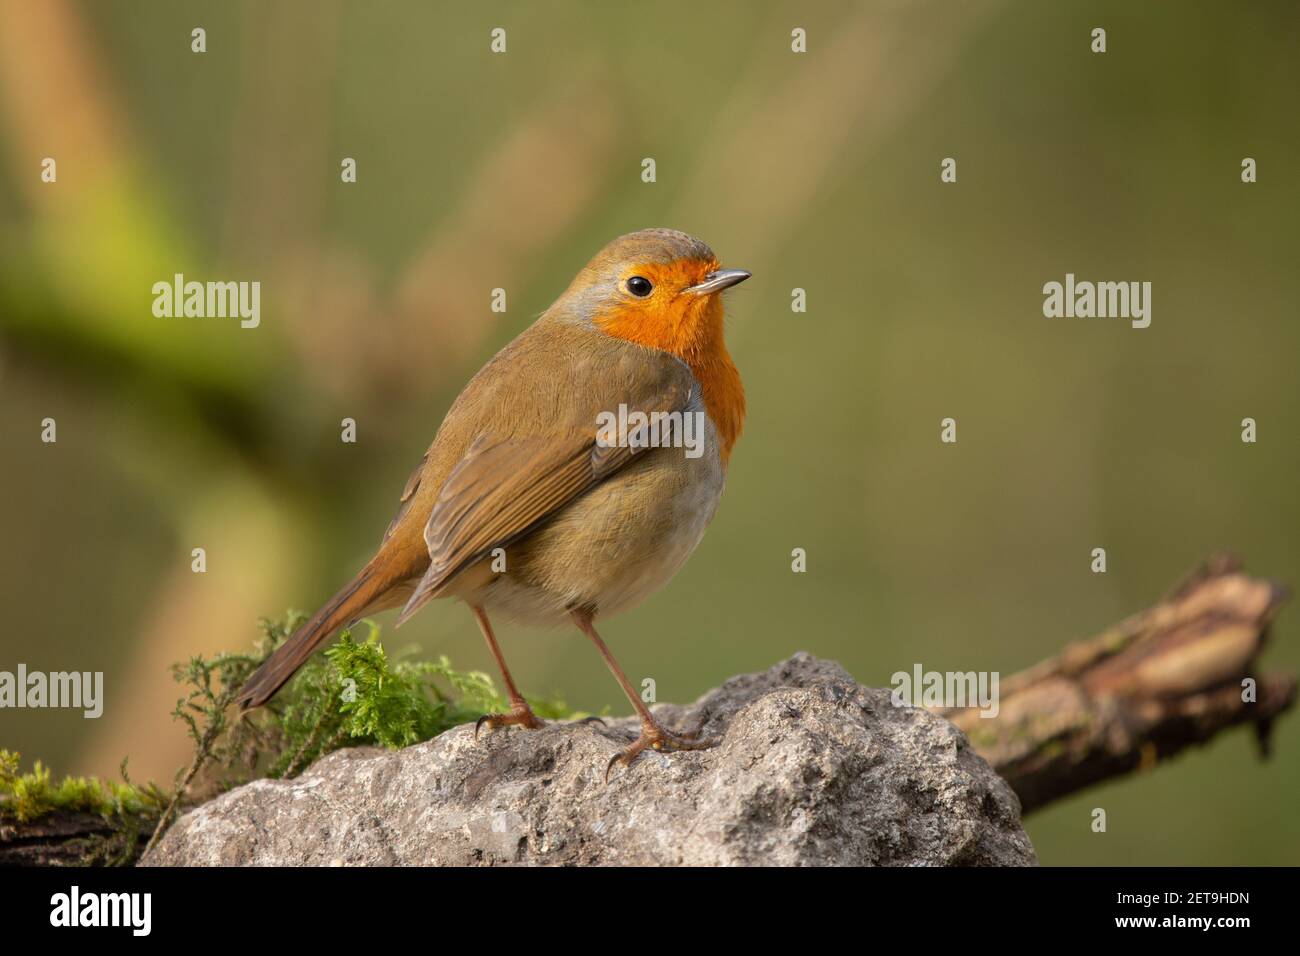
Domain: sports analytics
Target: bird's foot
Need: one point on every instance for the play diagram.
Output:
(520, 715)
(655, 737)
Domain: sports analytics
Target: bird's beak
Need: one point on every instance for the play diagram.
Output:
(719, 280)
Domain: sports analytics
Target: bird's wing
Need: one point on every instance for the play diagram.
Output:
(504, 487)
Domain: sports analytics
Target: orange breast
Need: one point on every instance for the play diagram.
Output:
(692, 329)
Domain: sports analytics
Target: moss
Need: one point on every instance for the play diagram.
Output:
(354, 694)
(25, 797)
(351, 695)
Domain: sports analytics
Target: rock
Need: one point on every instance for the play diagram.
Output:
(811, 769)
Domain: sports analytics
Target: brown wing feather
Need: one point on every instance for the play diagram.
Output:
(412, 483)
(502, 489)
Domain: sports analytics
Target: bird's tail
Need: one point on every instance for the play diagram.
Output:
(342, 610)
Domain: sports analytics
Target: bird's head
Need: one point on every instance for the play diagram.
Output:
(663, 289)
(656, 287)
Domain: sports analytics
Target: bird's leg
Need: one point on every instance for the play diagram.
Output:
(521, 715)
(653, 735)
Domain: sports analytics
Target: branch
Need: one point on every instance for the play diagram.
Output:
(68, 838)
(1153, 685)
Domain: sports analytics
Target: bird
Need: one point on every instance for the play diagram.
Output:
(532, 504)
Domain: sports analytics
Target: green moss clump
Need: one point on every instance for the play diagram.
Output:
(351, 695)
(354, 694)
(29, 796)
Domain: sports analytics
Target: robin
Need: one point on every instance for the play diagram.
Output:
(569, 455)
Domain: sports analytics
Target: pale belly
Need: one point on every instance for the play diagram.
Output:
(610, 549)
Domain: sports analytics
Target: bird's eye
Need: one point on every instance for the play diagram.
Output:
(639, 286)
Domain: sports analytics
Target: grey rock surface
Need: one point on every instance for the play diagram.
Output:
(811, 769)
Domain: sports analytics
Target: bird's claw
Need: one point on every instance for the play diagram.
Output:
(654, 737)
(520, 715)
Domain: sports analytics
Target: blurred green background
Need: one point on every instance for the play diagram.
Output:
(818, 171)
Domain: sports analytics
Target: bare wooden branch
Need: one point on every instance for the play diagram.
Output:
(64, 838)
(1163, 680)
